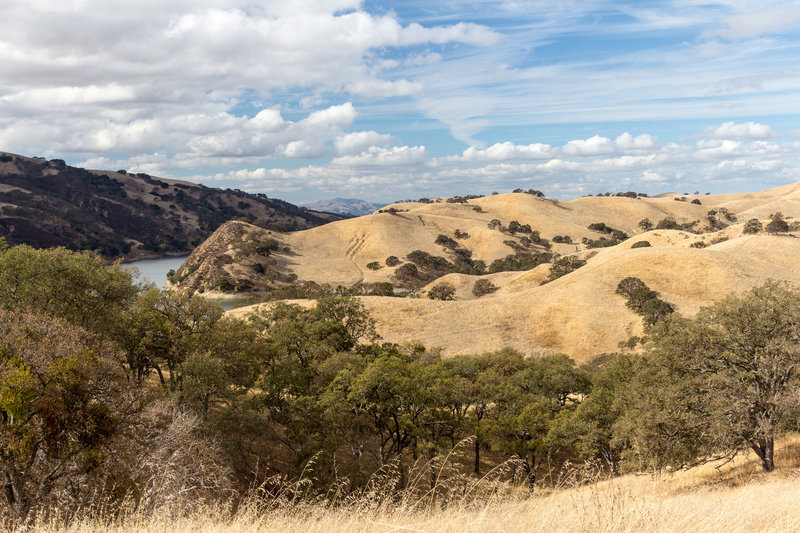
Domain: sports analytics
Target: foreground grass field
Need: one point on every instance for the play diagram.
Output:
(730, 497)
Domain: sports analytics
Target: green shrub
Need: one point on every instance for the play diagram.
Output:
(641, 244)
(563, 266)
(430, 262)
(643, 301)
(519, 261)
(443, 291)
(482, 287)
(667, 223)
(374, 265)
(753, 226)
(447, 242)
(777, 224)
(392, 261)
(628, 285)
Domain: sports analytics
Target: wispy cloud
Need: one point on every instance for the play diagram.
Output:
(310, 97)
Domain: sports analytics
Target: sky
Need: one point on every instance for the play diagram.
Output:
(384, 101)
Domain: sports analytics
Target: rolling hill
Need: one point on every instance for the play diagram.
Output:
(579, 313)
(120, 214)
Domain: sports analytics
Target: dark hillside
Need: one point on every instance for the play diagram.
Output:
(48, 203)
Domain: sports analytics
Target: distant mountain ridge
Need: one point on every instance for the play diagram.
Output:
(345, 206)
(120, 214)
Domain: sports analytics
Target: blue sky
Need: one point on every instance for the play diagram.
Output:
(311, 99)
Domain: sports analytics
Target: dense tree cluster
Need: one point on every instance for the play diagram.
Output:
(611, 236)
(117, 392)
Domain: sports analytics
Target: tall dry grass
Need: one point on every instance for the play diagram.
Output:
(731, 497)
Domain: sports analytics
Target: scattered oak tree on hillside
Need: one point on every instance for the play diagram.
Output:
(752, 226)
(777, 224)
(563, 266)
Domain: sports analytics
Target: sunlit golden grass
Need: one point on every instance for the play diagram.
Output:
(732, 497)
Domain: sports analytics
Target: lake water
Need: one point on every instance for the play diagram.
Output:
(155, 270)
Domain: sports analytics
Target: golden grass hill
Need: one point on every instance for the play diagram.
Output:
(518, 270)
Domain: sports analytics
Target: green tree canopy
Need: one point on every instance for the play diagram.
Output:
(722, 382)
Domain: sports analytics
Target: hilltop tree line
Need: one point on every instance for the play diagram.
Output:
(115, 391)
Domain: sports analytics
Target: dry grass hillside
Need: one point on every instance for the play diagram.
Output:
(579, 313)
(735, 498)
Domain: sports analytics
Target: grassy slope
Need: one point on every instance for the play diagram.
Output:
(737, 498)
(578, 314)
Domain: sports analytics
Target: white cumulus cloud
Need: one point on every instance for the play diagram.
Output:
(744, 130)
(360, 141)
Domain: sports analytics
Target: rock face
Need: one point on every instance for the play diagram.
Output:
(119, 214)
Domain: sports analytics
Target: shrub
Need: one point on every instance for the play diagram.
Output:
(643, 300)
(458, 234)
(515, 227)
(477, 209)
(392, 261)
(482, 287)
(699, 244)
(654, 310)
(602, 242)
(696, 202)
(457, 200)
(243, 287)
(225, 285)
(641, 244)
(447, 242)
(645, 224)
(495, 224)
(374, 265)
(667, 223)
(443, 291)
(562, 239)
(563, 266)
(777, 224)
(519, 261)
(600, 227)
(628, 285)
(430, 262)
(411, 276)
(753, 226)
